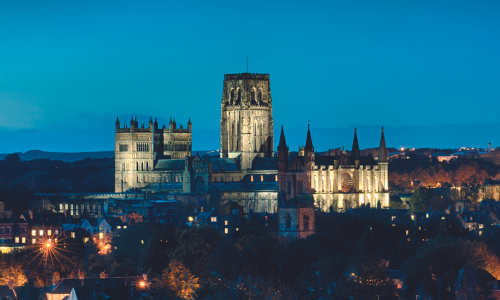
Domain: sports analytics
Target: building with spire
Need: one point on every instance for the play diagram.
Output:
(335, 182)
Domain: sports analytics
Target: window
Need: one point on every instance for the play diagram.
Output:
(289, 188)
(262, 178)
(288, 222)
(33, 232)
(123, 147)
(23, 240)
(393, 217)
(23, 230)
(107, 230)
(3, 241)
(124, 227)
(407, 231)
(41, 232)
(259, 97)
(306, 222)
(226, 231)
(101, 227)
(33, 241)
(8, 229)
(226, 222)
(213, 219)
(1, 230)
(17, 240)
(275, 177)
(73, 235)
(101, 235)
(49, 232)
(251, 178)
(118, 227)
(142, 147)
(57, 231)
(236, 228)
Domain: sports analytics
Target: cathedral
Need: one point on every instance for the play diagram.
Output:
(335, 182)
(160, 160)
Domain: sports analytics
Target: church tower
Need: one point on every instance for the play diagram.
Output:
(246, 118)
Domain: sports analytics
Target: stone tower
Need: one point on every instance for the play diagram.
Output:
(246, 118)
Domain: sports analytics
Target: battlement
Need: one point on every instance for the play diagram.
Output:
(239, 76)
(151, 127)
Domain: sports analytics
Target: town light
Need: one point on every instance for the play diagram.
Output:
(142, 284)
(48, 245)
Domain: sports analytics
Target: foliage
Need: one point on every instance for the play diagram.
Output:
(179, 280)
(12, 269)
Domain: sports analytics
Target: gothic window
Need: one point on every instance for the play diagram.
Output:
(123, 147)
(288, 222)
(252, 95)
(239, 95)
(199, 185)
(123, 166)
(306, 222)
(137, 166)
(323, 183)
(231, 99)
(289, 188)
(142, 166)
(301, 188)
(346, 182)
(259, 97)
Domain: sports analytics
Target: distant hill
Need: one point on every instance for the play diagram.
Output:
(64, 156)
(76, 156)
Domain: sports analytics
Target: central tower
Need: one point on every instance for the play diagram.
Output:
(246, 126)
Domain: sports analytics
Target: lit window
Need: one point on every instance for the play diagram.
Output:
(124, 227)
(213, 219)
(33, 241)
(17, 240)
(118, 227)
(393, 217)
(73, 235)
(142, 242)
(101, 235)
(41, 232)
(251, 178)
(101, 227)
(57, 231)
(427, 216)
(33, 232)
(393, 225)
(49, 232)
(226, 222)
(23, 240)
(481, 226)
(226, 231)
(407, 231)
(236, 228)
(413, 217)
(275, 177)
(261, 177)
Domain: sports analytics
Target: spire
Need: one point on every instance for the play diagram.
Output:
(282, 143)
(117, 121)
(189, 121)
(150, 119)
(355, 147)
(382, 151)
(156, 122)
(309, 143)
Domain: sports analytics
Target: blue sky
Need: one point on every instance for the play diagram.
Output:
(428, 71)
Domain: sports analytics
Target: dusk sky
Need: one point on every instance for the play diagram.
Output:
(428, 71)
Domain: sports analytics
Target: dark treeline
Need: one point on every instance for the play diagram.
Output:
(20, 179)
(406, 174)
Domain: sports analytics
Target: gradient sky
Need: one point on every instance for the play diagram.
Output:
(428, 71)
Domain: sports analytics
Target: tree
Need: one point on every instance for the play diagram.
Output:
(179, 280)
(11, 269)
(194, 247)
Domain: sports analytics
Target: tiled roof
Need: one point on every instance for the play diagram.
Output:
(170, 164)
(224, 164)
(265, 163)
(242, 187)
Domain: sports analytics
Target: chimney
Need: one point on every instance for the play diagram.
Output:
(30, 213)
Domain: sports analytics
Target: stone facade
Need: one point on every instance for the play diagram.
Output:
(138, 149)
(296, 220)
(246, 118)
(336, 182)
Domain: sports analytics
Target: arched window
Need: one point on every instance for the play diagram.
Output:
(199, 185)
(231, 97)
(252, 95)
(306, 222)
(239, 96)
(288, 222)
(259, 96)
